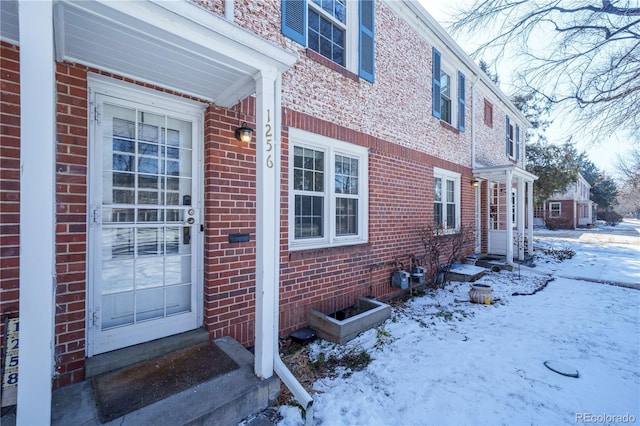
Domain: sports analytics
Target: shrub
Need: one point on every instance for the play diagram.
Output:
(554, 223)
(560, 254)
(611, 217)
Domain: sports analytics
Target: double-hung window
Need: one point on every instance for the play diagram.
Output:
(446, 199)
(445, 96)
(328, 191)
(555, 209)
(340, 30)
(327, 29)
(512, 139)
(444, 87)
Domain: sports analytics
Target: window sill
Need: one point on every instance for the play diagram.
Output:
(312, 54)
(449, 127)
(299, 253)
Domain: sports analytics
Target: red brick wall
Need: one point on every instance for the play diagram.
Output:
(568, 215)
(9, 182)
(400, 202)
(71, 222)
(230, 208)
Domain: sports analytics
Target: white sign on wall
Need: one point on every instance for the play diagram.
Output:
(10, 364)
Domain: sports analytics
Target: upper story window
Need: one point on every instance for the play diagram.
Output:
(446, 199)
(339, 30)
(327, 29)
(445, 106)
(512, 139)
(328, 192)
(445, 96)
(488, 113)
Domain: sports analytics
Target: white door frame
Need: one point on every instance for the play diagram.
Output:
(126, 93)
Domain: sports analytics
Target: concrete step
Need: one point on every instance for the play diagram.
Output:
(223, 400)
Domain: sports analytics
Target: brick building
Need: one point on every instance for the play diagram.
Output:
(570, 209)
(131, 212)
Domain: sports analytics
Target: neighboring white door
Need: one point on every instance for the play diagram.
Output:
(145, 228)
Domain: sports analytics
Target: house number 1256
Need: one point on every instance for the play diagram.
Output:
(268, 135)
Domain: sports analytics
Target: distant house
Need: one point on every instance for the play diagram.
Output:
(568, 210)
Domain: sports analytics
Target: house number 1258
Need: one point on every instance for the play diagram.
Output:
(268, 135)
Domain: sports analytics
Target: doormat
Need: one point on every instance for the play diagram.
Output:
(129, 389)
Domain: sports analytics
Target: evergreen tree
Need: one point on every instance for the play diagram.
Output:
(557, 166)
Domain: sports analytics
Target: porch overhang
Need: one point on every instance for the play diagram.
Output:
(499, 173)
(518, 210)
(176, 45)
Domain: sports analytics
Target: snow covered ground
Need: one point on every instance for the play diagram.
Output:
(441, 360)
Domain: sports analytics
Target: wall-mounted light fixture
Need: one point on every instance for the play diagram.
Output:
(244, 133)
(475, 183)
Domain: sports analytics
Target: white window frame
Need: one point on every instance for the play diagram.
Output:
(452, 73)
(512, 140)
(331, 147)
(448, 175)
(351, 28)
(551, 210)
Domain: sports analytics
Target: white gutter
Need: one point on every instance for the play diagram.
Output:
(228, 10)
(299, 392)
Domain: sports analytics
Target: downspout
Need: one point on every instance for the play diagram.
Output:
(228, 10)
(478, 192)
(473, 122)
(299, 392)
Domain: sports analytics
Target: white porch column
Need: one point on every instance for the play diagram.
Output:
(509, 214)
(520, 219)
(37, 211)
(478, 218)
(530, 218)
(267, 222)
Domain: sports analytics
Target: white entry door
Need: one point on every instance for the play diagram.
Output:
(145, 232)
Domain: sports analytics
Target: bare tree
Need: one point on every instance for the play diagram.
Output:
(581, 54)
(629, 167)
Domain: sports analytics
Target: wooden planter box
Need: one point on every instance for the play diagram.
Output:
(369, 313)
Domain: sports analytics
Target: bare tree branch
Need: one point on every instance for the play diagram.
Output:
(584, 55)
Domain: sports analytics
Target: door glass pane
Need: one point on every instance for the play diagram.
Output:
(179, 133)
(150, 215)
(149, 272)
(173, 240)
(117, 309)
(121, 215)
(117, 243)
(146, 167)
(150, 241)
(117, 276)
(179, 298)
(177, 270)
(149, 197)
(149, 304)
